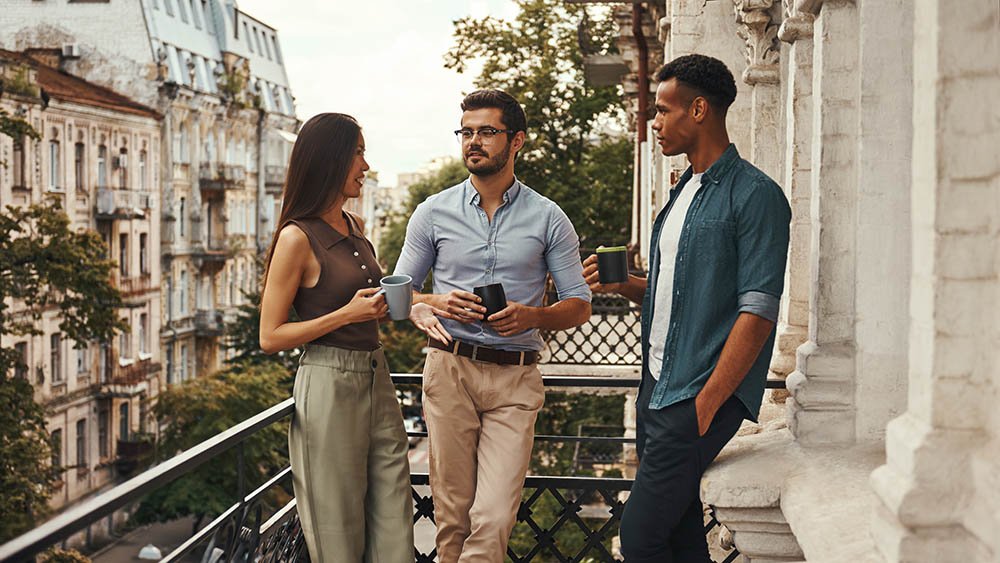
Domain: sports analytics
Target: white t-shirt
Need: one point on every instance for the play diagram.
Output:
(670, 235)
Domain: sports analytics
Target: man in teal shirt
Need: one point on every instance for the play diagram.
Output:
(709, 306)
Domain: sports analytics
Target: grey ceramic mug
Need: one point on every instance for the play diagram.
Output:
(398, 292)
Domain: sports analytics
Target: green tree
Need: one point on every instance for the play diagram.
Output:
(44, 265)
(404, 343)
(242, 336)
(569, 155)
(54, 555)
(201, 408)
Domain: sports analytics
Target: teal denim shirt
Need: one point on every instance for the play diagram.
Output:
(730, 259)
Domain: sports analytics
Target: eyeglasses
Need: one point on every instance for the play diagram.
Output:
(486, 134)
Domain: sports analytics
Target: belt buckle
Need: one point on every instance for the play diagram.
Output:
(475, 353)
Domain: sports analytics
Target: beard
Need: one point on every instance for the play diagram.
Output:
(489, 165)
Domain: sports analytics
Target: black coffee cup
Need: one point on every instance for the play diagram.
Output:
(493, 297)
(612, 264)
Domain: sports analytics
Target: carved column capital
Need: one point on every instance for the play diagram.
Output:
(799, 18)
(754, 26)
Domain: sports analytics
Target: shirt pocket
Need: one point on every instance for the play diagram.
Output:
(715, 243)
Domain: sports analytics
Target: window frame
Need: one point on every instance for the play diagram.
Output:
(55, 357)
(54, 168)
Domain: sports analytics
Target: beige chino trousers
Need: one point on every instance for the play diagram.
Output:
(481, 423)
(348, 452)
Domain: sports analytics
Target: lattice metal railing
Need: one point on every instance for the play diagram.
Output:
(241, 533)
(571, 494)
(610, 337)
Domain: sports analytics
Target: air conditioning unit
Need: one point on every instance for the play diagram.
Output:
(71, 51)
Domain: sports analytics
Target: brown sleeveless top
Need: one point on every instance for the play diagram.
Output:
(347, 264)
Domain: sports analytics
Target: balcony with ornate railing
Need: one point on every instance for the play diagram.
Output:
(217, 176)
(274, 178)
(120, 203)
(246, 531)
(209, 247)
(133, 286)
(125, 373)
(208, 323)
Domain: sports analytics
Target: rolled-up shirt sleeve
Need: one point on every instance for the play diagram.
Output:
(762, 250)
(419, 252)
(562, 256)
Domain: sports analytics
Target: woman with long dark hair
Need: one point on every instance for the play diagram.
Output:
(346, 442)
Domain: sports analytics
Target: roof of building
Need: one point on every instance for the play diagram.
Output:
(63, 86)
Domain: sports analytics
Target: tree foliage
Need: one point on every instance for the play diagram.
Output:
(44, 265)
(243, 334)
(27, 479)
(16, 128)
(201, 408)
(404, 343)
(571, 154)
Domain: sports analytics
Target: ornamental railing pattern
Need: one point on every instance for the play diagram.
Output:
(610, 337)
(244, 533)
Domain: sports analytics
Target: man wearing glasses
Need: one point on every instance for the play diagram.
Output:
(482, 392)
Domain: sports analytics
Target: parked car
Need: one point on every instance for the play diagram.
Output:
(414, 424)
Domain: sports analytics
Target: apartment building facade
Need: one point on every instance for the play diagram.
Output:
(98, 156)
(217, 75)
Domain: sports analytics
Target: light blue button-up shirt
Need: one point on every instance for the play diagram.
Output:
(528, 237)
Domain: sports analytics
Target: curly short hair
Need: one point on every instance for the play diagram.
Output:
(512, 112)
(707, 76)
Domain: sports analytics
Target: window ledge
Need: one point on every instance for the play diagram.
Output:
(124, 362)
(144, 356)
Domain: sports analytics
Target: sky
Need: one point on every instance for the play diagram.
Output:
(381, 61)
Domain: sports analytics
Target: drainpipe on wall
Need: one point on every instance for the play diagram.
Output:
(642, 72)
(261, 177)
(168, 95)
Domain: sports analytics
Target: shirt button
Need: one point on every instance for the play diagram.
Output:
(487, 271)
(355, 252)
(369, 280)
(363, 267)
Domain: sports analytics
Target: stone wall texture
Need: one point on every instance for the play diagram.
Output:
(889, 157)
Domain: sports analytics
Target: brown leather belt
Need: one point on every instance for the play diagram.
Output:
(479, 353)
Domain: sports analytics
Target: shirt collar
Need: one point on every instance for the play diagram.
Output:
(328, 236)
(472, 195)
(722, 165)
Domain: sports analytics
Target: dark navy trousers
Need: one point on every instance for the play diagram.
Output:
(663, 519)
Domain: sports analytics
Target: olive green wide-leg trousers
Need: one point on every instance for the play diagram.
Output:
(349, 462)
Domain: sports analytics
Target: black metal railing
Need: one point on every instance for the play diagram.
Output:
(610, 337)
(243, 532)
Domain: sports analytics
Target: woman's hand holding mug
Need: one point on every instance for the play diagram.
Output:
(367, 304)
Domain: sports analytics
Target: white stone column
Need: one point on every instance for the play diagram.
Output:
(793, 320)
(821, 408)
(755, 25)
(882, 275)
(940, 487)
